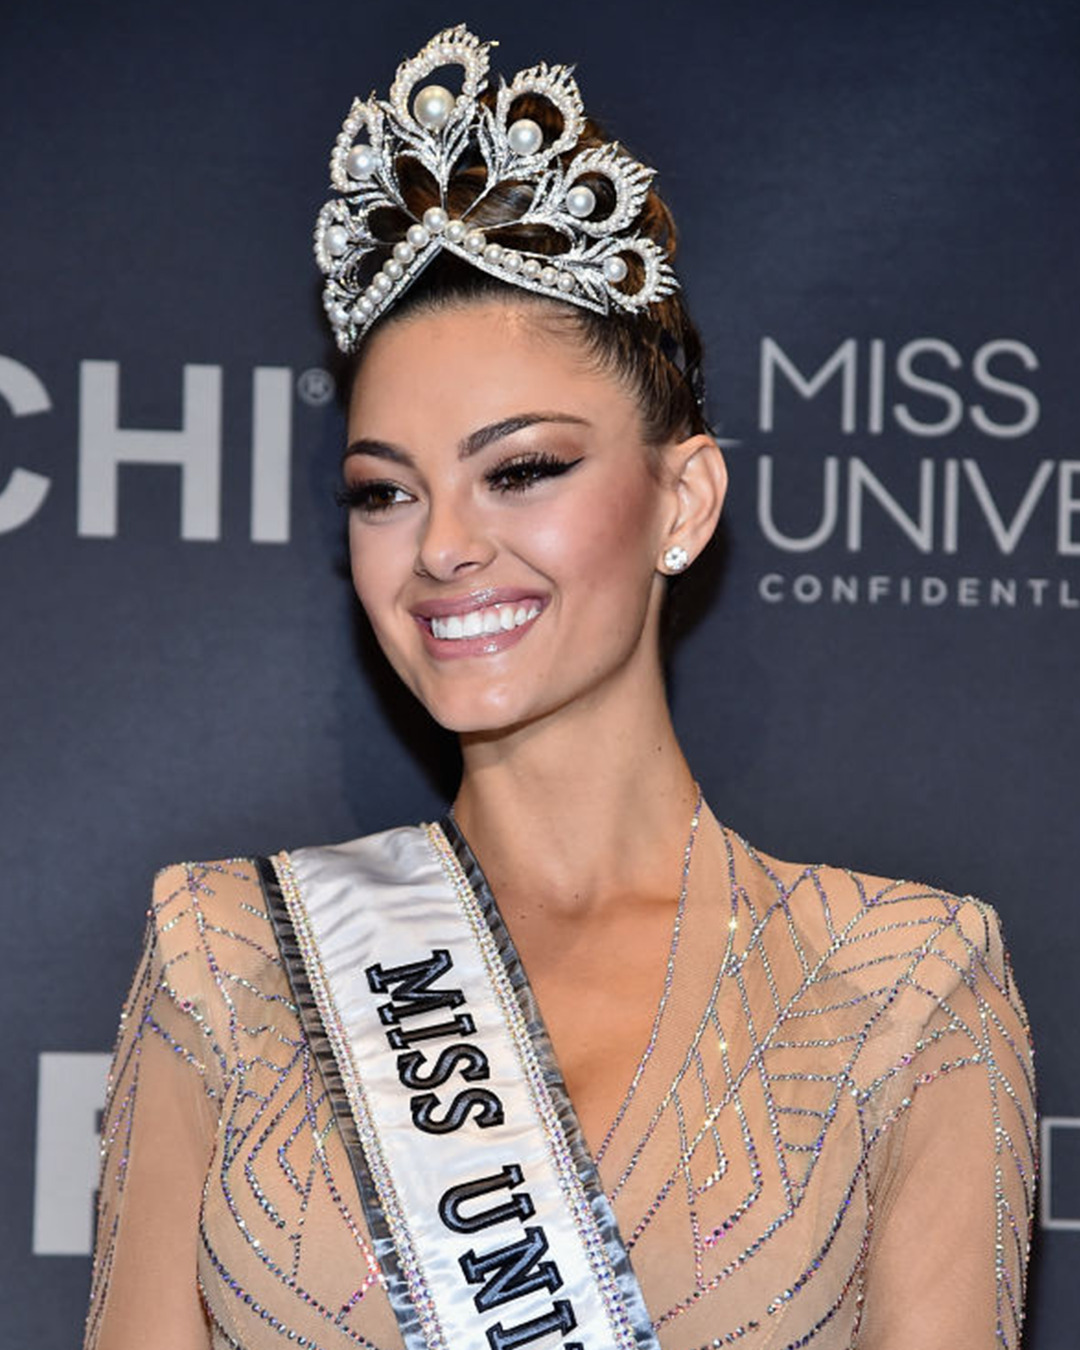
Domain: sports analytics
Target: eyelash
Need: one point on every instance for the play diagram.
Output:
(375, 496)
(518, 475)
(369, 497)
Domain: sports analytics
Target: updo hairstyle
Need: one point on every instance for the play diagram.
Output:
(655, 352)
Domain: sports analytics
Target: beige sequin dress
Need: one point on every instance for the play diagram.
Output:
(832, 1143)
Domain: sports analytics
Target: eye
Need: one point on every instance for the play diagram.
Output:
(523, 472)
(372, 497)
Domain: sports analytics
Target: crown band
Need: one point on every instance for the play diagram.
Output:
(438, 130)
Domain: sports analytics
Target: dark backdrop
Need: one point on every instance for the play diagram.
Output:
(879, 204)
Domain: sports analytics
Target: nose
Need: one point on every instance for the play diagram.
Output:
(452, 541)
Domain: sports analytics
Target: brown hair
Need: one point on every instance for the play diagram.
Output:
(656, 352)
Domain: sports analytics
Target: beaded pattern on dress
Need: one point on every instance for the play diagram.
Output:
(816, 1017)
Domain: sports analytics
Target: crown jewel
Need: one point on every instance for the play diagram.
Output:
(439, 130)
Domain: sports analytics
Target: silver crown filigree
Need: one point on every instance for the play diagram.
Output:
(439, 130)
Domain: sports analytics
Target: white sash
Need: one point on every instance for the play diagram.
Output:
(484, 1205)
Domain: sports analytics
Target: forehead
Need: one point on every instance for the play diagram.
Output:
(473, 363)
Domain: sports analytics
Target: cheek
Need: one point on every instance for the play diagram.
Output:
(605, 537)
(363, 573)
(376, 559)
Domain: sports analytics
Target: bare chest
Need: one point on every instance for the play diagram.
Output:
(601, 986)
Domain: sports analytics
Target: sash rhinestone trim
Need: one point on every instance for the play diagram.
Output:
(334, 940)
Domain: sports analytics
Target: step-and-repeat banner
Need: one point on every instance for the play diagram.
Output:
(879, 206)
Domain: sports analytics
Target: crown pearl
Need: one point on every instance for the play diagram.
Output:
(566, 282)
(525, 136)
(361, 162)
(432, 106)
(531, 268)
(475, 241)
(418, 235)
(382, 283)
(456, 231)
(337, 240)
(549, 276)
(404, 252)
(615, 268)
(511, 260)
(393, 269)
(493, 253)
(581, 201)
(436, 219)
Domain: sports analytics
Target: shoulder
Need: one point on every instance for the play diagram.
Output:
(885, 935)
(225, 896)
(190, 898)
(210, 929)
(216, 913)
(901, 982)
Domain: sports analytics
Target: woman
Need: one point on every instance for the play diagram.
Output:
(669, 1091)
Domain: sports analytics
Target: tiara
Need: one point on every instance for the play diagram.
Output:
(439, 130)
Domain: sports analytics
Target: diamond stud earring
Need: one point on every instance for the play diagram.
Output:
(676, 558)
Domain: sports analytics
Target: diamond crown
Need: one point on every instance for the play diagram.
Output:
(440, 130)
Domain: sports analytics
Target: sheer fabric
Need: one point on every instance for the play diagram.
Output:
(831, 1143)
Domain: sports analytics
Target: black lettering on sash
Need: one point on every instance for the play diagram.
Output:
(401, 1039)
(560, 1319)
(489, 1111)
(519, 1207)
(476, 1066)
(409, 987)
(511, 1271)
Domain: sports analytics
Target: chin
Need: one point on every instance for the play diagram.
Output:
(471, 716)
(482, 704)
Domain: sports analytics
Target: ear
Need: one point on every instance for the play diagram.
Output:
(698, 478)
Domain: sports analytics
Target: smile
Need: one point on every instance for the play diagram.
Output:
(484, 622)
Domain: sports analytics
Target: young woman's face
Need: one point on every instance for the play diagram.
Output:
(506, 520)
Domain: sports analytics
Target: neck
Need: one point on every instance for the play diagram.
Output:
(585, 808)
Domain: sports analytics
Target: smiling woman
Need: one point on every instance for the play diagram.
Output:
(519, 485)
(576, 1066)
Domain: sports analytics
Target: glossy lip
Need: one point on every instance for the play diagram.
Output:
(485, 644)
(462, 604)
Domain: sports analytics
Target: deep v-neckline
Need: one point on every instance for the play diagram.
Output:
(538, 1030)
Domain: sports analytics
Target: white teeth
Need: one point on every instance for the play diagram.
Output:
(491, 619)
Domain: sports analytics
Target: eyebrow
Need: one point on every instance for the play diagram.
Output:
(472, 444)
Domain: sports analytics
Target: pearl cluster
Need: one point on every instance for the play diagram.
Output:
(437, 223)
(432, 125)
